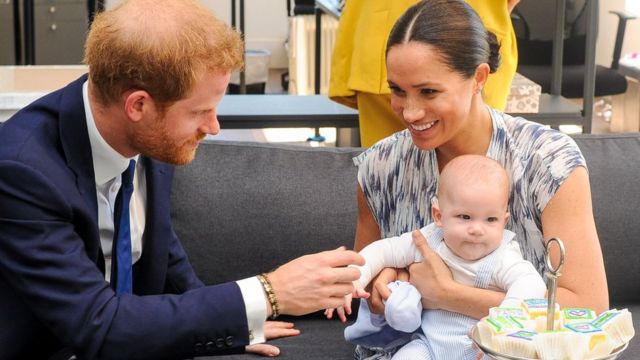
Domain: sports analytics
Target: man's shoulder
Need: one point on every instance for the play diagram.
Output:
(31, 130)
(36, 127)
(32, 138)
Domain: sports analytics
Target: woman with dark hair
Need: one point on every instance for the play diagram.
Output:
(439, 56)
(358, 75)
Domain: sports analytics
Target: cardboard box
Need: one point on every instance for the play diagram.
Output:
(38, 78)
(524, 96)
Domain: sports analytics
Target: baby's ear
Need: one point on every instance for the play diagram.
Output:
(506, 217)
(436, 213)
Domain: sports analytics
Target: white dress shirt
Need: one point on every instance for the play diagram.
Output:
(108, 166)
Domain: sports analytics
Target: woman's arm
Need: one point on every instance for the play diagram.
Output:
(367, 231)
(569, 216)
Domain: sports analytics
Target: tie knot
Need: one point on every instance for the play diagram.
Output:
(127, 175)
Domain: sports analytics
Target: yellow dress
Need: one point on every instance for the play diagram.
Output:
(358, 69)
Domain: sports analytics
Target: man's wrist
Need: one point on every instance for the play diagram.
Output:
(254, 300)
(273, 308)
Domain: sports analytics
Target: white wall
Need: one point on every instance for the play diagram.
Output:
(608, 29)
(266, 25)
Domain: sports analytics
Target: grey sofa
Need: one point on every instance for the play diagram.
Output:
(244, 208)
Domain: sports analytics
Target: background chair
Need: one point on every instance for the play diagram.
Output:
(534, 35)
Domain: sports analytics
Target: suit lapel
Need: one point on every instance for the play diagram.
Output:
(75, 142)
(74, 139)
(150, 272)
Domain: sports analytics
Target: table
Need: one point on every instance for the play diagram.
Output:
(284, 111)
(291, 111)
(244, 111)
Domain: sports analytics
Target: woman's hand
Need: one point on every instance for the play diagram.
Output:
(435, 283)
(273, 330)
(379, 292)
(431, 277)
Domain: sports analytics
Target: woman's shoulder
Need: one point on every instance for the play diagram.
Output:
(538, 153)
(532, 137)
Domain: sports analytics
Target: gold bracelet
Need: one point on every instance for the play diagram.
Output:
(271, 295)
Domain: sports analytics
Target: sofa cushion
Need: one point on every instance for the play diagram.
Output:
(614, 172)
(319, 339)
(244, 208)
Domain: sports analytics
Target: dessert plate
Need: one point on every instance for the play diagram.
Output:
(473, 334)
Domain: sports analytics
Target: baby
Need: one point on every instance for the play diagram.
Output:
(469, 234)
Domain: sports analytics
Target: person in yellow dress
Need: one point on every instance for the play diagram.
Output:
(358, 71)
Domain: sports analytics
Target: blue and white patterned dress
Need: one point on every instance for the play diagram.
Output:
(399, 180)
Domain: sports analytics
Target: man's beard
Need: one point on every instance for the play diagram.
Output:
(157, 143)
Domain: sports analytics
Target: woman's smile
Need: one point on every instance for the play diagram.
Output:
(423, 126)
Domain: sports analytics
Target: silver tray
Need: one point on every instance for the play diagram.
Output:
(475, 337)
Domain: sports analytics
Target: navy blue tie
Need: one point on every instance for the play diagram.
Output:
(122, 234)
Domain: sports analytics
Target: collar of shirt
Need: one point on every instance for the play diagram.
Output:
(107, 162)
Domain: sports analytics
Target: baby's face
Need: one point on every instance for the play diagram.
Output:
(473, 220)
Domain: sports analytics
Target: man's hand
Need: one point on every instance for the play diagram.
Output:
(431, 276)
(314, 282)
(273, 330)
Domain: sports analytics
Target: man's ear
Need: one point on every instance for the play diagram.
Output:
(436, 213)
(137, 103)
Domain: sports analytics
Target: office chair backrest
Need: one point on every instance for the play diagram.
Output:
(535, 35)
(301, 7)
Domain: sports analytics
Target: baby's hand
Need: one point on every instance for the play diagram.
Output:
(359, 292)
(343, 311)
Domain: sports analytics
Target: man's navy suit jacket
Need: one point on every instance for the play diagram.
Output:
(53, 294)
